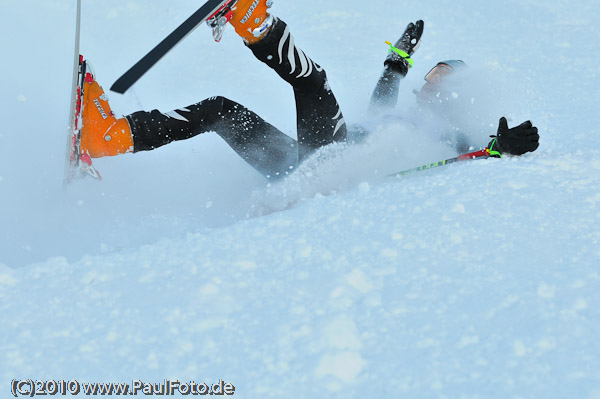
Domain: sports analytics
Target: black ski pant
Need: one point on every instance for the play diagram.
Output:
(263, 146)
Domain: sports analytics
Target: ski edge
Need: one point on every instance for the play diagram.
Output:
(72, 117)
(78, 164)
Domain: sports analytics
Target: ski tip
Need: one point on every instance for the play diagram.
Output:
(118, 87)
(124, 83)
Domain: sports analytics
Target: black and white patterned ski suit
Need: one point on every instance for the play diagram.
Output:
(264, 147)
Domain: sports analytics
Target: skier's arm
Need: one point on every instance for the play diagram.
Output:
(395, 67)
(515, 141)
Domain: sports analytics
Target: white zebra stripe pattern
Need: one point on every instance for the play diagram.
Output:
(340, 123)
(306, 63)
(175, 115)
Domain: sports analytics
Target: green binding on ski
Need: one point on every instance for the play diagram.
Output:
(401, 53)
(492, 151)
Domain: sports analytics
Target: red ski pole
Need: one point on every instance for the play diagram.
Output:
(480, 154)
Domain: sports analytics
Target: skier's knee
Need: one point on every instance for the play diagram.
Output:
(213, 105)
(219, 105)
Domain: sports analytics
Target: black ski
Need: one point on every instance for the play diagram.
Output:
(144, 65)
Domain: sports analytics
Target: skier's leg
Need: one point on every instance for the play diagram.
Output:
(396, 66)
(264, 147)
(319, 117)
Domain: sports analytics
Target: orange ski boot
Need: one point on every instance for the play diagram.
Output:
(251, 19)
(102, 134)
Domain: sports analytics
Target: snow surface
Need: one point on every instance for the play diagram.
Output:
(476, 280)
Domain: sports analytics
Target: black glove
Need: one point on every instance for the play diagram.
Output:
(516, 141)
(409, 43)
